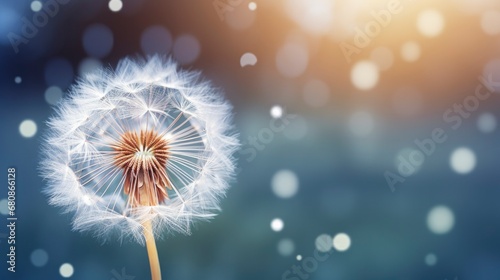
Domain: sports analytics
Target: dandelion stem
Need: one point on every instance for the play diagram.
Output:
(154, 262)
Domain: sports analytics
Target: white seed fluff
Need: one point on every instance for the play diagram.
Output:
(153, 95)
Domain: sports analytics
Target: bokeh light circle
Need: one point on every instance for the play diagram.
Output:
(186, 49)
(36, 6)
(248, 59)
(4, 207)
(156, 39)
(97, 40)
(316, 93)
(382, 57)
(440, 220)
(115, 5)
(490, 22)
(277, 224)
(364, 75)
(88, 65)
(491, 71)
(323, 243)
(292, 60)
(39, 257)
(276, 111)
(286, 247)
(430, 259)
(486, 123)
(314, 16)
(410, 51)
(9, 21)
(297, 128)
(66, 270)
(53, 94)
(430, 23)
(361, 124)
(463, 160)
(341, 242)
(409, 161)
(285, 184)
(27, 128)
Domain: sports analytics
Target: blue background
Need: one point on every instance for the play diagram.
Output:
(342, 187)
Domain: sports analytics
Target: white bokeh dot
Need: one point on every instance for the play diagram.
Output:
(53, 94)
(440, 219)
(292, 60)
(248, 59)
(341, 242)
(409, 161)
(252, 6)
(314, 16)
(490, 22)
(39, 257)
(361, 123)
(316, 93)
(430, 23)
(410, 51)
(36, 6)
(18, 80)
(299, 257)
(286, 247)
(285, 184)
(88, 65)
(115, 5)
(98, 40)
(297, 129)
(383, 57)
(156, 39)
(277, 224)
(486, 123)
(186, 49)
(430, 259)
(474, 7)
(323, 243)
(4, 210)
(463, 160)
(276, 111)
(365, 75)
(491, 70)
(66, 270)
(27, 128)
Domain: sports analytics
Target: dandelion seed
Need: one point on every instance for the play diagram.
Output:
(140, 151)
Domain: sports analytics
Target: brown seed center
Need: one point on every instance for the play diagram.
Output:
(143, 157)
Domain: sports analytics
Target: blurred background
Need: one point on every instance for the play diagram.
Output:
(368, 128)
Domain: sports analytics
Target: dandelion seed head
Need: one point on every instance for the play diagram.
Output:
(146, 142)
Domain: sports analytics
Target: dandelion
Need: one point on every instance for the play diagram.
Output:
(138, 152)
